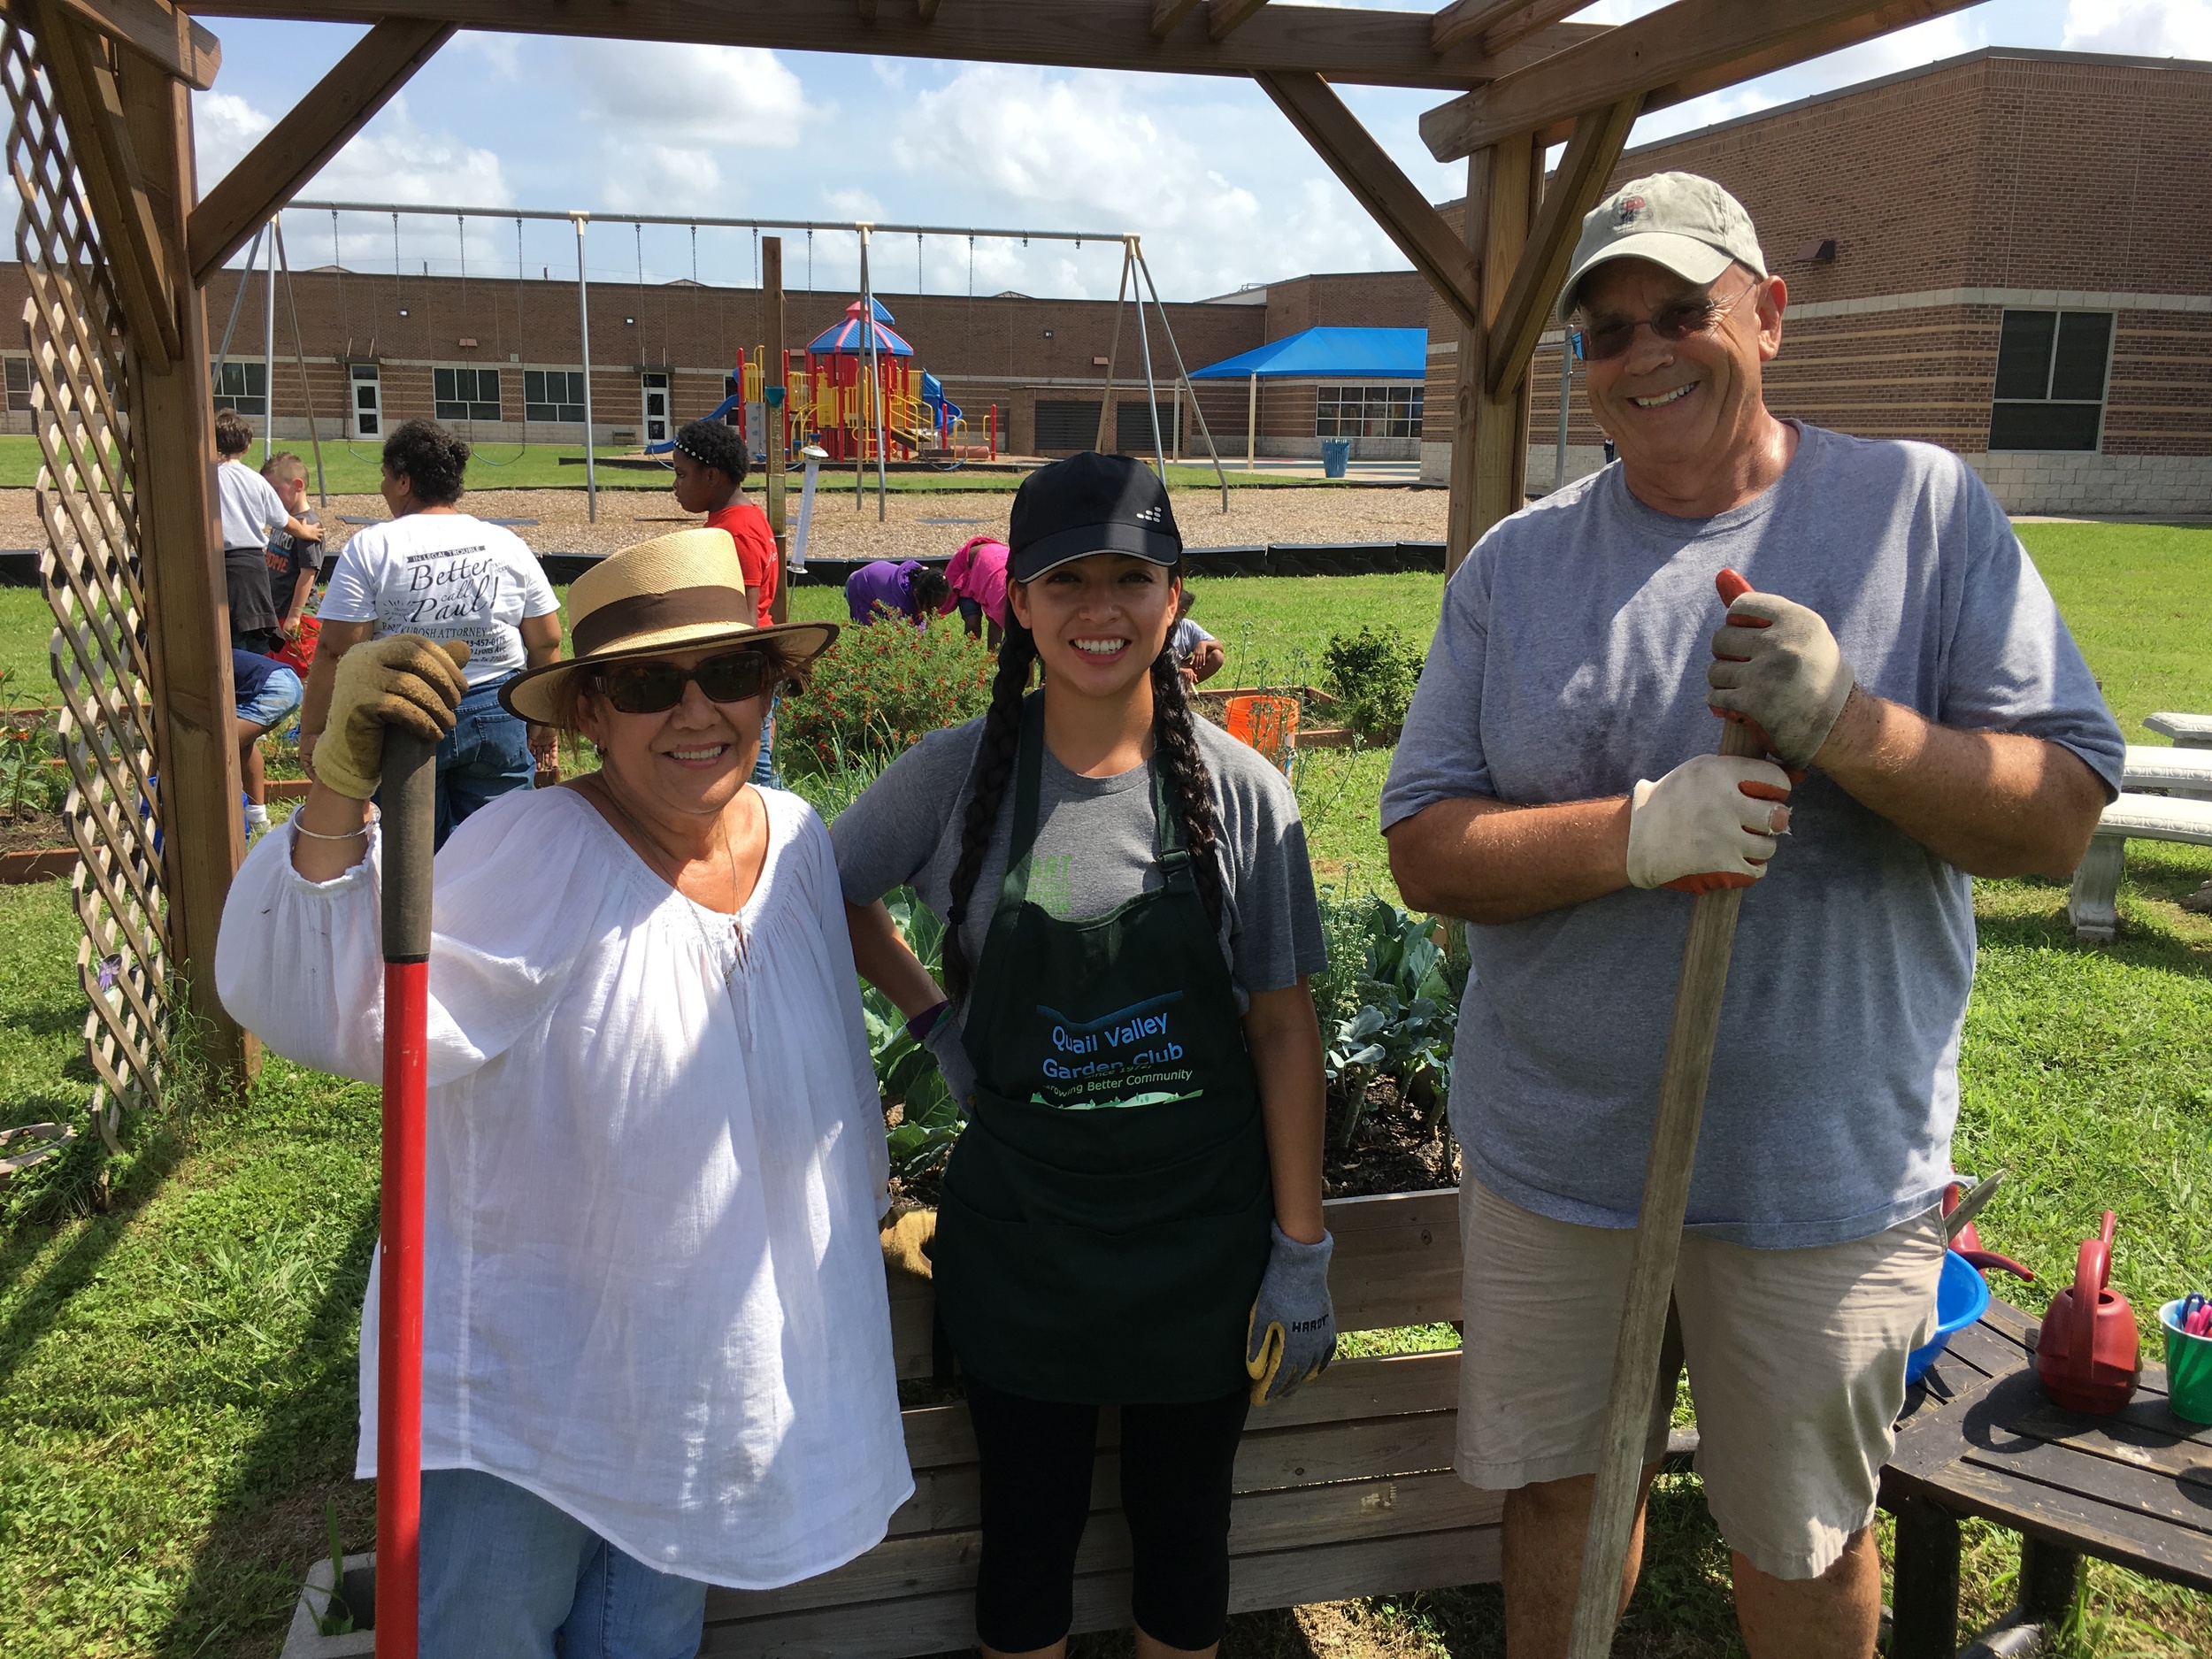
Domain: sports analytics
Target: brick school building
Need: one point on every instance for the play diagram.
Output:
(2008, 254)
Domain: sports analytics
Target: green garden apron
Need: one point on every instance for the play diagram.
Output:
(1104, 1218)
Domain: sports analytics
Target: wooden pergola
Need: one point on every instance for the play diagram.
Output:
(119, 243)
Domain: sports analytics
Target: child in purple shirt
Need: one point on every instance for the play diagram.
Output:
(909, 588)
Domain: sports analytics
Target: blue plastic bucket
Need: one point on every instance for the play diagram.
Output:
(1962, 1297)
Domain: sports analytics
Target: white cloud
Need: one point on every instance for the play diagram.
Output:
(715, 97)
(224, 127)
(2152, 29)
(1081, 151)
(391, 160)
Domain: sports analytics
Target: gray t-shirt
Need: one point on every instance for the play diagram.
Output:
(1570, 664)
(1096, 846)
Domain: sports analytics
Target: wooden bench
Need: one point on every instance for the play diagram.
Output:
(2183, 814)
(1978, 1437)
(1344, 1489)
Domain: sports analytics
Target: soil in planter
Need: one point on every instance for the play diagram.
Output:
(33, 832)
(1390, 1152)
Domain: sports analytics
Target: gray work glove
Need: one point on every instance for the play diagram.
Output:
(1291, 1337)
(1778, 666)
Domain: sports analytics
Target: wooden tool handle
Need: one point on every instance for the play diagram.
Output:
(1643, 1328)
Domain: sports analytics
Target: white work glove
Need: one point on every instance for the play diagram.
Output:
(1777, 667)
(1710, 823)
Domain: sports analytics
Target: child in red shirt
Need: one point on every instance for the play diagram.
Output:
(710, 467)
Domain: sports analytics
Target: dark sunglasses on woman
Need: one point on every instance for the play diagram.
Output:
(1676, 320)
(652, 687)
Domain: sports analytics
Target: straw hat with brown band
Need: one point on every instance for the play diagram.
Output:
(675, 593)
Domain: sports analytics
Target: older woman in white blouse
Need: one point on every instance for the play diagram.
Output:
(656, 1346)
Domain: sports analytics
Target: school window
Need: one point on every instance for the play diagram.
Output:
(2051, 369)
(19, 376)
(553, 395)
(243, 387)
(465, 393)
(1368, 412)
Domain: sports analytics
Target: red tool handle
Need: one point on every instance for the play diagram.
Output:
(2092, 1269)
(410, 825)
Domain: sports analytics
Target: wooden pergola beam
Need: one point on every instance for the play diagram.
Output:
(1689, 38)
(1592, 154)
(92, 108)
(1367, 47)
(1167, 13)
(1224, 16)
(157, 31)
(1497, 23)
(1393, 199)
(1524, 20)
(296, 149)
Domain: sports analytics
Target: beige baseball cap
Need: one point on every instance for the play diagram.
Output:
(1682, 221)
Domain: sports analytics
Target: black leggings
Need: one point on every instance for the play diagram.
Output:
(1036, 1458)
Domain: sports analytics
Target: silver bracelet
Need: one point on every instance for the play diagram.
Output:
(376, 816)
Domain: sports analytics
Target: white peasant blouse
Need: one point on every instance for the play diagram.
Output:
(653, 1294)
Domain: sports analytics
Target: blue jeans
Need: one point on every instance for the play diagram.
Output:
(505, 1575)
(486, 754)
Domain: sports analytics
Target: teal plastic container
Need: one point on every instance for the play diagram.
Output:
(2188, 1368)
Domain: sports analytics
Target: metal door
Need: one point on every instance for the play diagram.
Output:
(368, 403)
(656, 385)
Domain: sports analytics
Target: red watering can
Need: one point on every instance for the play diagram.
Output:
(2086, 1351)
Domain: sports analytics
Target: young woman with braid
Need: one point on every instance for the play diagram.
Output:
(1132, 1215)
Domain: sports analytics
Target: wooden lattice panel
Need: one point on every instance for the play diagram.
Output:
(79, 364)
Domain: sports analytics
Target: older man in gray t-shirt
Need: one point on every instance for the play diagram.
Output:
(1557, 778)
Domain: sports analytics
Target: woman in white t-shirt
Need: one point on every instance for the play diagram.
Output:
(445, 574)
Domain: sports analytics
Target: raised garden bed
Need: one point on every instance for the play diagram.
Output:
(36, 846)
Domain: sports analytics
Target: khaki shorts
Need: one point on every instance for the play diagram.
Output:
(1796, 1359)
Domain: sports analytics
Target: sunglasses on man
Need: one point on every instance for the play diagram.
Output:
(655, 687)
(1677, 319)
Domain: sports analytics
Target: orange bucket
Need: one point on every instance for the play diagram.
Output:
(1268, 724)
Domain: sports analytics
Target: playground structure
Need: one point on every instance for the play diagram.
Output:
(846, 370)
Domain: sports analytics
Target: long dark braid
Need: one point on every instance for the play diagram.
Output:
(993, 765)
(1175, 751)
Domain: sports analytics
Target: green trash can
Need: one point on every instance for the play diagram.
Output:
(1336, 457)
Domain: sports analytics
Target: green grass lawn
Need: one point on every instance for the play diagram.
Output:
(177, 1391)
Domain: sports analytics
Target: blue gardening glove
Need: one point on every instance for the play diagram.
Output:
(1291, 1337)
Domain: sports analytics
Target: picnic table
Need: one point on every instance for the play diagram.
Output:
(1979, 1437)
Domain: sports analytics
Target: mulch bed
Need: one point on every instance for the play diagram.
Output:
(33, 832)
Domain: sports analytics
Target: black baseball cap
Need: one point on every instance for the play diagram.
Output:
(1090, 503)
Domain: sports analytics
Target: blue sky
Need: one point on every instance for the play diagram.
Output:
(1205, 168)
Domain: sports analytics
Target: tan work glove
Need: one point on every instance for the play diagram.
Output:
(1777, 665)
(1710, 823)
(908, 1240)
(402, 679)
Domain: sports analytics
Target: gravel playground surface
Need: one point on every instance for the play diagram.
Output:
(1280, 513)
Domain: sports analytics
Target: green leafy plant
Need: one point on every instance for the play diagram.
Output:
(1373, 673)
(930, 1119)
(28, 740)
(877, 691)
(1388, 1004)
(336, 1618)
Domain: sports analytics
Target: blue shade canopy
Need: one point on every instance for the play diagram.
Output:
(1366, 354)
(849, 337)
